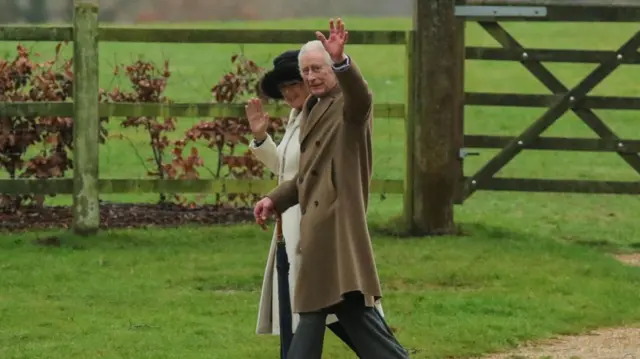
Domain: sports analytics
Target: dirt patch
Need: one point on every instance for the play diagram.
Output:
(612, 343)
(630, 259)
(121, 215)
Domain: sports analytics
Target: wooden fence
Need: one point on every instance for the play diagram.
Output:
(562, 100)
(438, 180)
(434, 108)
(86, 110)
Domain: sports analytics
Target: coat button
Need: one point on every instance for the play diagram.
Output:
(303, 211)
(315, 203)
(318, 143)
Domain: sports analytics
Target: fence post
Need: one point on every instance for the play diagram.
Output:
(436, 107)
(86, 128)
(459, 106)
(410, 115)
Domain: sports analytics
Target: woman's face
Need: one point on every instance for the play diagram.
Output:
(294, 94)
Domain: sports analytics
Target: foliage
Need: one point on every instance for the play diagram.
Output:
(45, 140)
(222, 134)
(225, 134)
(50, 138)
(148, 84)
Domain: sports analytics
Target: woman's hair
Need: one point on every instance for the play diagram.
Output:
(313, 46)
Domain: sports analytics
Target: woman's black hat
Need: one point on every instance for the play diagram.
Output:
(285, 70)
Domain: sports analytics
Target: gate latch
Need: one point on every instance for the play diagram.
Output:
(463, 152)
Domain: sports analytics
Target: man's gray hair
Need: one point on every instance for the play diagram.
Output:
(313, 46)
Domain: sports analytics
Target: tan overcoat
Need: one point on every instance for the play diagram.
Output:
(283, 159)
(335, 255)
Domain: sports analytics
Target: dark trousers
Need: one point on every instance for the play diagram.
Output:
(365, 328)
(341, 333)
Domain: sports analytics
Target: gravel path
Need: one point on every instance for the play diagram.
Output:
(608, 343)
(630, 259)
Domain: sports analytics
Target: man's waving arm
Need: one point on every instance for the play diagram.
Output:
(358, 99)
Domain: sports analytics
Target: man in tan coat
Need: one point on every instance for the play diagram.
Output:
(337, 271)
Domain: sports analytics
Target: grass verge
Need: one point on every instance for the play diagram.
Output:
(193, 293)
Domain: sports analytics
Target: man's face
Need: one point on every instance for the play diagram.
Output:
(317, 73)
(294, 93)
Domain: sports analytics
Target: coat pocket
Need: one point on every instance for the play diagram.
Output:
(330, 183)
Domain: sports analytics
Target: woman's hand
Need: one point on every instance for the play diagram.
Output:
(258, 119)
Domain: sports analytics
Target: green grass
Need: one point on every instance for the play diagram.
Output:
(193, 293)
(530, 266)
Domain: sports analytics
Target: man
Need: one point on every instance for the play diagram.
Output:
(337, 272)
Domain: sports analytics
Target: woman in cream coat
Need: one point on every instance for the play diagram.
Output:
(283, 82)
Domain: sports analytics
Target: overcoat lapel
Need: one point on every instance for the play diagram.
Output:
(314, 110)
(313, 114)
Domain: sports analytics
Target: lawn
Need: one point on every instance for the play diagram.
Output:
(529, 265)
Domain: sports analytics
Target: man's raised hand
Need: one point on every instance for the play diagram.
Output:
(338, 37)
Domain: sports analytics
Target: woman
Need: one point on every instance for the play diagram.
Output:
(283, 82)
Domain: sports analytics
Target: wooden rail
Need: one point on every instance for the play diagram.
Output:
(557, 143)
(525, 100)
(547, 55)
(110, 186)
(383, 110)
(565, 11)
(165, 110)
(195, 36)
(558, 186)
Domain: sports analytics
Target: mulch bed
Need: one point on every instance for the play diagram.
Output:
(125, 215)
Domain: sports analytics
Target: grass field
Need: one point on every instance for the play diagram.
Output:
(530, 266)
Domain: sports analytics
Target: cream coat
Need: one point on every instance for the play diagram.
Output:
(282, 159)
